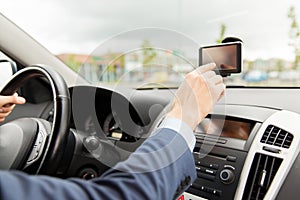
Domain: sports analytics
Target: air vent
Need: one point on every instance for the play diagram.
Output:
(277, 137)
(262, 173)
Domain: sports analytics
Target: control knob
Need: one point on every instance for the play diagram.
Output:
(227, 176)
(87, 174)
(91, 143)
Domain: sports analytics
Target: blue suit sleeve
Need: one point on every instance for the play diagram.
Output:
(161, 168)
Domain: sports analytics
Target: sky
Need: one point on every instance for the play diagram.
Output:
(76, 26)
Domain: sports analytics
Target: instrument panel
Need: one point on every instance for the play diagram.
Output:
(111, 128)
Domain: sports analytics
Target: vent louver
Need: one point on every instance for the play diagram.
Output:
(261, 175)
(277, 137)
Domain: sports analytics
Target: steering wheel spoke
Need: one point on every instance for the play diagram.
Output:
(44, 128)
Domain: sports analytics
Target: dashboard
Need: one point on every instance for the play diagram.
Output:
(245, 149)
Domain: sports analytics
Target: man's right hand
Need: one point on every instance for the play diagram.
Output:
(197, 94)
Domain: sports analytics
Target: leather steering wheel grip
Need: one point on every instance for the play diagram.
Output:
(62, 109)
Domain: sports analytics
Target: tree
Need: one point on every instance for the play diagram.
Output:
(72, 62)
(149, 52)
(222, 33)
(294, 35)
(279, 65)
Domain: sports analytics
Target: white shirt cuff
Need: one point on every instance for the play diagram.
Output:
(182, 128)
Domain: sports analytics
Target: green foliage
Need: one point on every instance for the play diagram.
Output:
(148, 52)
(279, 65)
(222, 33)
(294, 35)
(72, 63)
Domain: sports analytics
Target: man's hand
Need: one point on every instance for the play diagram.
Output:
(7, 104)
(197, 94)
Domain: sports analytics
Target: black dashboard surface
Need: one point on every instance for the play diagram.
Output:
(102, 110)
(125, 118)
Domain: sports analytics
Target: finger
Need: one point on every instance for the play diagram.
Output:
(3, 115)
(12, 100)
(221, 89)
(6, 108)
(217, 79)
(209, 74)
(205, 68)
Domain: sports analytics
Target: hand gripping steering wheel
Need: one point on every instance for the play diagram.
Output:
(34, 141)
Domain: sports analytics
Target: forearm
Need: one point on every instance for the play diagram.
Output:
(155, 170)
(158, 167)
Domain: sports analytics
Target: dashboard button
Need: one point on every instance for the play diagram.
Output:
(33, 155)
(197, 186)
(231, 158)
(272, 150)
(208, 190)
(201, 169)
(208, 165)
(217, 192)
(212, 191)
(213, 166)
(211, 172)
(206, 176)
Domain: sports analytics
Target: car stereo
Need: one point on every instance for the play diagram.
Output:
(221, 148)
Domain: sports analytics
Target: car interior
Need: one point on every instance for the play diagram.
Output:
(246, 148)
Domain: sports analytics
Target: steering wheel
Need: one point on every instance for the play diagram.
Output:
(33, 141)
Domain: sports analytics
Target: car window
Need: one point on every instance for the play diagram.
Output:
(6, 70)
(110, 42)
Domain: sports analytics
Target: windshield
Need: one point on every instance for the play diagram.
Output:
(155, 43)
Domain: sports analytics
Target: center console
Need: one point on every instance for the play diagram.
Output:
(246, 157)
(220, 156)
(218, 173)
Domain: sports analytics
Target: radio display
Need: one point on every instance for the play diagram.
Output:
(230, 128)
